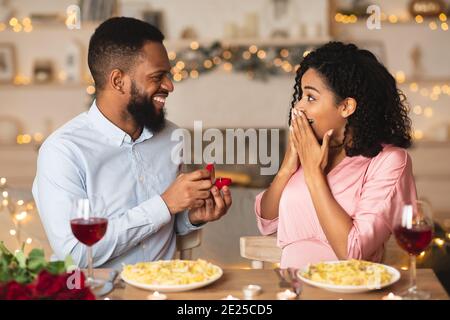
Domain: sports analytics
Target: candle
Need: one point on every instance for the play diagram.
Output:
(251, 290)
(286, 295)
(391, 296)
(157, 296)
(230, 297)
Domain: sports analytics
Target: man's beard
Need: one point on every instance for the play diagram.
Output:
(144, 112)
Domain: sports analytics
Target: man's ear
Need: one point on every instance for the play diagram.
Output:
(348, 107)
(116, 81)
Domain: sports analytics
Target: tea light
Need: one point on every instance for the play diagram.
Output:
(251, 290)
(286, 295)
(391, 296)
(230, 297)
(157, 296)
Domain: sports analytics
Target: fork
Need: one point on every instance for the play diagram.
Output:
(283, 282)
(297, 284)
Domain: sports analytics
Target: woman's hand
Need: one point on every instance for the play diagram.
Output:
(312, 155)
(291, 161)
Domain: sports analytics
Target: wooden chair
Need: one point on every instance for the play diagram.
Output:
(186, 243)
(260, 249)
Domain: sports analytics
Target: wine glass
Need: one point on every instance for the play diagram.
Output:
(413, 231)
(89, 226)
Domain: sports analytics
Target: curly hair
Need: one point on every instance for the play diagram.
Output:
(381, 115)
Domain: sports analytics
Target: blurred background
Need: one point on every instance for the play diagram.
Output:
(234, 64)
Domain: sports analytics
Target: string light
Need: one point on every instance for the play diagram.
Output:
(417, 110)
(172, 55)
(261, 54)
(253, 49)
(419, 18)
(414, 87)
(90, 90)
(428, 112)
(400, 76)
(227, 67)
(432, 25)
(418, 134)
(246, 55)
(180, 65)
(194, 45)
(227, 55)
(393, 18)
(439, 242)
(20, 216)
(12, 232)
(284, 53)
(29, 240)
(208, 63)
(194, 74)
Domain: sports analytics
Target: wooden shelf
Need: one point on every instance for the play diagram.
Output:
(277, 42)
(71, 86)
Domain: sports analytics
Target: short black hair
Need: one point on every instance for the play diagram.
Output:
(116, 43)
(381, 115)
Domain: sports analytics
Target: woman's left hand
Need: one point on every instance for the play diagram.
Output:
(312, 155)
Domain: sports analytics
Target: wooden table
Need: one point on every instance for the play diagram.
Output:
(233, 280)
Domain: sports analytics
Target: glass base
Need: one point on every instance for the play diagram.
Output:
(94, 284)
(414, 294)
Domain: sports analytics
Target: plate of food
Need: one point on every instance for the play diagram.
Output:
(349, 276)
(171, 275)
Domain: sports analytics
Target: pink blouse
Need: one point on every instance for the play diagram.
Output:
(370, 190)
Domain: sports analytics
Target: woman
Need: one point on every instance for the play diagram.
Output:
(346, 170)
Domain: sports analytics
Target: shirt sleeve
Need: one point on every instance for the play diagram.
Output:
(265, 226)
(183, 225)
(388, 185)
(59, 179)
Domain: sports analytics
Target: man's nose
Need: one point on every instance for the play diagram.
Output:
(167, 84)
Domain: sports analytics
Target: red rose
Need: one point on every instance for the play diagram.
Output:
(48, 284)
(17, 291)
(75, 294)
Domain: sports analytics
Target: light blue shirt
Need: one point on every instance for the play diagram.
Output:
(89, 156)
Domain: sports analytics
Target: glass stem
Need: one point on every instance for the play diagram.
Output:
(412, 270)
(90, 269)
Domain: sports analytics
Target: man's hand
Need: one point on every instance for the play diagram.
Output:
(214, 207)
(189, 190)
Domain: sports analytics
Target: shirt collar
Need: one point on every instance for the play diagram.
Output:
(111, 131)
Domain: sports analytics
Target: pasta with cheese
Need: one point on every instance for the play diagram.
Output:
(349, 273)
(171, 272)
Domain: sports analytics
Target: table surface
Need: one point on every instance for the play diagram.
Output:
(233, 280)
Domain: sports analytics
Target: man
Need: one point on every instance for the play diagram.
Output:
(121, 151)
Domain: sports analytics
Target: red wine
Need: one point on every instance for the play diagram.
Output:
(89, 231)
(414, 240)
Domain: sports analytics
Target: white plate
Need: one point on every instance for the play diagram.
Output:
(173, 288)
(350, 289)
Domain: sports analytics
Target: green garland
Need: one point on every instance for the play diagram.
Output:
(258, 62)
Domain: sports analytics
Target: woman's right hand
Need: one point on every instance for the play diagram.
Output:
(291, 160)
